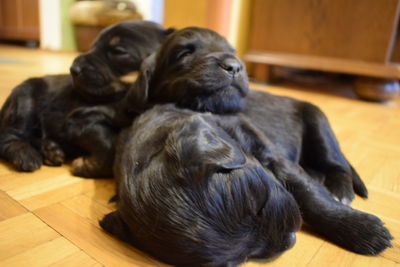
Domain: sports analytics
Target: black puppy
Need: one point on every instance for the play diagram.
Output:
(191, 192)
(31, 119)
(187, 71)
(200, 189)
(183, 72)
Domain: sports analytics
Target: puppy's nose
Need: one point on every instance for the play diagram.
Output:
(231, 65)
(75, 70)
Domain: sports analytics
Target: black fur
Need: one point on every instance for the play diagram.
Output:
(289, 138)
(214, 74)
(197, 69)
(188, 71)
(201, 189)
(32, 118)
(191, 192)
(302, 133)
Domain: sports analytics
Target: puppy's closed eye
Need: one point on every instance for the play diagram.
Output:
(119, 50)
(184, 51)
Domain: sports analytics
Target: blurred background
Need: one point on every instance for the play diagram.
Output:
(301, 39)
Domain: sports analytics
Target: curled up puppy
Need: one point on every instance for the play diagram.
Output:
(190, 195)
(200, 189)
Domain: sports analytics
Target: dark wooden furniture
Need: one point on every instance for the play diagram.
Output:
(358, 37)
(19, 20)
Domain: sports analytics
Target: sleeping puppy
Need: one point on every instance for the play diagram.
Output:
(298, 128)
(194, 66)
(191, 195)
(31, 119)
(200, 189)
(196, 69)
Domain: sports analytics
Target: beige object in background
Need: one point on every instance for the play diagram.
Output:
(90, 17)
(103, 13)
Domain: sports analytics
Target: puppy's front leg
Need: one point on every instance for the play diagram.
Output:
(357, 231)
(99, 143)
(91, 128)
(322, 153)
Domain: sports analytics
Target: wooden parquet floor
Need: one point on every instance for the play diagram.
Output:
(50, 218)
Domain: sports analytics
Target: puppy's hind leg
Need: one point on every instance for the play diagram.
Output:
(19, 126)
(354, 230)
(322, 153)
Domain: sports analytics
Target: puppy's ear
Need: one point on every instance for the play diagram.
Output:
(219, 150)
(201, 146)
(137, 97)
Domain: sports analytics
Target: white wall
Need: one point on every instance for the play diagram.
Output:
(50, 24)
(151, 9)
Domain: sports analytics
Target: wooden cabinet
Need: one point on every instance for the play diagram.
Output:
(19, 20)
(347, 36)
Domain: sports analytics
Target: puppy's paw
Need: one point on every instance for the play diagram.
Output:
(52, 153)
(81, 167)
(364, 234)
(340, 185)
(344, 201)
(90, 168)
(24, 157)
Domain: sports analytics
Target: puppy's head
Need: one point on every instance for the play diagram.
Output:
(190, 196)
(241, 203)
(196, 68)
(118, 51)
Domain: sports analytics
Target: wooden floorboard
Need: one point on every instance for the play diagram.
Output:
(50, 218)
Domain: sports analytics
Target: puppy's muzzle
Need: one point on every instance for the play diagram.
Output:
(78, 66)
(75, 70)
(231, 65)
(87, 72)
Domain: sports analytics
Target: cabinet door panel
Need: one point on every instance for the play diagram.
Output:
(19, 19)
(349, 29)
